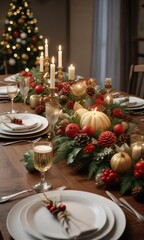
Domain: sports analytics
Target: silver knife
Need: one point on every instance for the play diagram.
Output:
(119, 203)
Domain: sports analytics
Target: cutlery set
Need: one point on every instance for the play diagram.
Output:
(22, 140)
(124, 204)
(8, 197)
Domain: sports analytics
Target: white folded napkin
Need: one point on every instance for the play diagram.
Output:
(27, 123)
(73, 227)
(3, 90)
(16, 127)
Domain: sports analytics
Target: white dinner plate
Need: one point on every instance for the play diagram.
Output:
(38, 219)
(33, 117)
(131, 102)
(111, 231)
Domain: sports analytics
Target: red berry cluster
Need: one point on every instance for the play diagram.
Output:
(139, 169)
(55, 209)
(109, 177)
(17, 121)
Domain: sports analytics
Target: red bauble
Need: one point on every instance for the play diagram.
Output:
(39, 89)
(34, 39)
(89, 130)
(72, 130)
(16, 34)
(139, 169)
(118, 129)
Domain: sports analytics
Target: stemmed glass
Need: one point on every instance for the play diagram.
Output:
(108, 84)
(24, 88)
(12, 90)
(42, 159)
(52, 113)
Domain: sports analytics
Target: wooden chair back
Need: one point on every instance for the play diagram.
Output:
(136, 80)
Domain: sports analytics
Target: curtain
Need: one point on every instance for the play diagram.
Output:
(106, 41)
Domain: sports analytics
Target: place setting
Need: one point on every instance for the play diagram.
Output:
(131, 103)
(89, 216)
(62, 214)
(21, 125)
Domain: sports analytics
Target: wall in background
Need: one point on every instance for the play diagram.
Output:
(81, 35)
(53, 21)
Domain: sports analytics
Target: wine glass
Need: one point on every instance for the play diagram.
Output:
(52, 113)
(12, 90)
(42, 159)
(24, 88)
(108, 84)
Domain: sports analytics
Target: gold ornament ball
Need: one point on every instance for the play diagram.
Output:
(24, 56)
(34, 49)
(9, 14)
(9, 51)
(36, 30)
(18, 46)
(21, 21)
(7, 36)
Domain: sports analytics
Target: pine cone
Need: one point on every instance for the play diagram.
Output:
(123, 138)
(65, 90)
(90, 91)
(81, 167)
(82, 140)
(62, 125)
(106, 139)
(138, 193)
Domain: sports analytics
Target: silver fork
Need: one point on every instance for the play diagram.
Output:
(22, 140)
(118, 202)
(137, 214)
(123, 203)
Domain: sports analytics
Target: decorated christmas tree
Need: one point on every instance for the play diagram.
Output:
(21, 43)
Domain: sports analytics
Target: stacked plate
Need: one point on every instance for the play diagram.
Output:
(32, 125)
(3, 92)
(132, 103)
(31, 220)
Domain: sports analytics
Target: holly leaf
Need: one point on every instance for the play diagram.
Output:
(73, 155)
(60, 139)
(93, 168)
(63, 151)
(127, 183)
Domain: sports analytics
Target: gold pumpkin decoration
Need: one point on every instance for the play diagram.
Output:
(121, 162)
(97, 120)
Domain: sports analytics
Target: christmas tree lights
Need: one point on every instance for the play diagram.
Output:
(21, 43)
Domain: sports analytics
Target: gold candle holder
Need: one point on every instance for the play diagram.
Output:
(60, 74)
(108, 98)
(46, 64)
(52, 94)
(42, 77)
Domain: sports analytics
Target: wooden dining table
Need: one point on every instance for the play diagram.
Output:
(15, 177)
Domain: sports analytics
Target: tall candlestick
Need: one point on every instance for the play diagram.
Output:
(46, 48)
(71, 72)
(52, 73)
(41, 62)
(60, 56)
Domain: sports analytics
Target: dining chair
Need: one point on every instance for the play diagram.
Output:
(136, 80)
